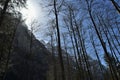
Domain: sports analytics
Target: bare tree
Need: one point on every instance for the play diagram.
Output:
(116, 5)
(59, 40)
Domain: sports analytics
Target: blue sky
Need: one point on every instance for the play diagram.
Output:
(35, 11)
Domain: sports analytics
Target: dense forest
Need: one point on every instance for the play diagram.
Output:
(83, 41)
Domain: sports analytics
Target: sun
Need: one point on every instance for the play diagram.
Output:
(34, 11)
(29, 13)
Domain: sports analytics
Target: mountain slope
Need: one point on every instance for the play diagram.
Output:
(28, 63)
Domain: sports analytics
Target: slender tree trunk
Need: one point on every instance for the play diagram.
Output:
(68, 61)
(74, 50)
(96, 53)
(113, 68)
(82, 46)
(59, 42)
(112, 40)
(106, 32)
(53, 59)
(76, 42)
(116, 5)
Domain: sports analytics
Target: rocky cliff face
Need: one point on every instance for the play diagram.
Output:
(28, 58)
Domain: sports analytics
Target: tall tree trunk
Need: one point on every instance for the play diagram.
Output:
(113, 68)
(96, 53)
(116, 5)
(59, 41)
(74, 50)
(53, 59)
(68, 61)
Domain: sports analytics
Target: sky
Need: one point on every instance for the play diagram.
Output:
(34, 11)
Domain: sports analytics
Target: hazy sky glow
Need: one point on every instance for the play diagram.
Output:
(33, 11)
